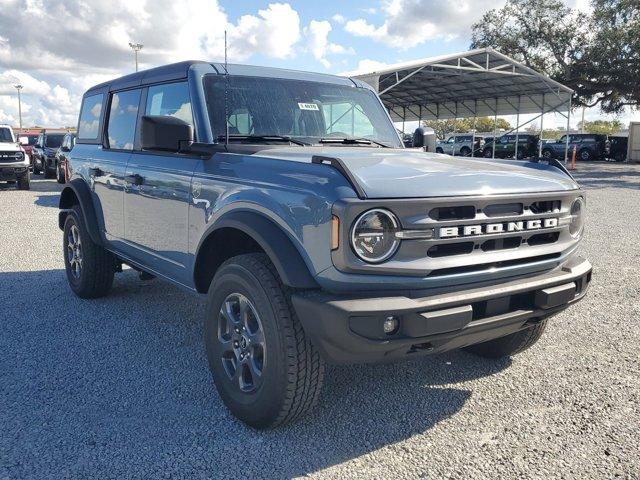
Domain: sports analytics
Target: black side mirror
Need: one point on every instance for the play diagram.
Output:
(166, 133)
(418, 138)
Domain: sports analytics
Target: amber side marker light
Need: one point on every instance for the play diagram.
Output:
(335, 232)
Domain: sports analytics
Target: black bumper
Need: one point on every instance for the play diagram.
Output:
(349, 329)
(9, 173)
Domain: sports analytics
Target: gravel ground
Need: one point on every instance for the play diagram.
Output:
(119, 387)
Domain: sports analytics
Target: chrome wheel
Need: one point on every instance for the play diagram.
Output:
(74, 251)
(241, 336)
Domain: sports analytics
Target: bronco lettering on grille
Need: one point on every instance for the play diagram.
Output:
(503, 227)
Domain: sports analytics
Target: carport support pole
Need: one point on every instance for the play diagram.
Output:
(475, 118)
(541, 128)
(515, 155)
(566, 146)
(495, 130)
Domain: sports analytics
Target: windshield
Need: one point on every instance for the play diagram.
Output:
(33, 139)
(53, 141)
(307, 111)
(5, 135)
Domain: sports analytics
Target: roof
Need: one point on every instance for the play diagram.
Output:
(179, 71)
(479, 82)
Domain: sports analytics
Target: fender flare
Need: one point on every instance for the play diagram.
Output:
(77, 192)
(273, 240)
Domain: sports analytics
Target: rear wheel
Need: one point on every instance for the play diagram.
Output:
(520, 155)
(90, 268)
(510, 344)
(265, 369)
(439, 150)
(585, 155)
(488, 153)
(36, 168)
(59, 173)
(46, 171)
(465, 151)
(547, 153)
(24, 182)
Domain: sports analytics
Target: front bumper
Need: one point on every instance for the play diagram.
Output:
(348, 329)
(13, 171)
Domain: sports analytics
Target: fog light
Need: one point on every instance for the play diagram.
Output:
(390, 325)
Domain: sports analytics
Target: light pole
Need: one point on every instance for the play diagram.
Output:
(19, 87)
(136, 48)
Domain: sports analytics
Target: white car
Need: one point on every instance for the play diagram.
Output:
(14, 162)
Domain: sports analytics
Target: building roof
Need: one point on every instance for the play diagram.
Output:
(479, 82)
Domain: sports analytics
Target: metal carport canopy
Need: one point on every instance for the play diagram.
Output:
(479, 82)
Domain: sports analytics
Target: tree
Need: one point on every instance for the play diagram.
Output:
(605, 127)
(596, 55)
(442, 128)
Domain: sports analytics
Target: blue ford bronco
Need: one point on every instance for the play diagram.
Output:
(288, 199)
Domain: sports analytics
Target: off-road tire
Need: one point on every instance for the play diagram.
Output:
(585, 155)
(59, 174)
(465, 151)
(439, 150)
(487, 153)
(293, 371)
(46, 171)
(36, 170)
(509, 345)
(547, 153)
(24, 182)
(98, 265)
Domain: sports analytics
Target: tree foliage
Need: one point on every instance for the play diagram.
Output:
(597, 55)
(442, 128)
(606, 127)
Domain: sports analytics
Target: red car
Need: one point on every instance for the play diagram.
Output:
(28, 147)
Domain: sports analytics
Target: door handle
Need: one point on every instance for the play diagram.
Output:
(95, 172)
(134, 179)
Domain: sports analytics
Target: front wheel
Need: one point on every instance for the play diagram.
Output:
(465, 151)
(59, 174)
(510, 344)
(439, 150)
(547, 153)
(36, 168)
(265, 369)
(585, 155)
(24, 182)
(90, 268)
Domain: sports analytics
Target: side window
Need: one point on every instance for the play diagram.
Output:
(89, 124)
(171, 99)
(122, 119)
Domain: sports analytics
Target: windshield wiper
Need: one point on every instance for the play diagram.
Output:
(353, 141)
(264, 138)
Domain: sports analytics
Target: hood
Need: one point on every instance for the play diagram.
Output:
(398, 173)
(10, 147)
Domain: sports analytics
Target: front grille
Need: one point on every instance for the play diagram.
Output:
(10, 157)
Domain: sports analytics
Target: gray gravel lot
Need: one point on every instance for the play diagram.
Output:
(119, 387)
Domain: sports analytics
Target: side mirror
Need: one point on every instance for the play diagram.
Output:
(418, 138)
(166, 133)
(23, 140)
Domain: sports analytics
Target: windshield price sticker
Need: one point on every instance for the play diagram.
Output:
(308, 106)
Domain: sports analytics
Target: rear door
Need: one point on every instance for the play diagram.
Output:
(158, 191)
(108, 163)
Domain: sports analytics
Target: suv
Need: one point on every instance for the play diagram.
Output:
(460, 145)
(62, 156)
(28, 140)
(14, 164)
(589, 146)
(288, 200)
(44, 153)
(506, 147)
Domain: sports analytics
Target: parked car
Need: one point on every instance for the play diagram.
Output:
(460, 145)
(506, 146)
(44, 153)
(618, 148)
(31, 139)
(589, 146)
(14, 163)
(62, 155)
(315, 238)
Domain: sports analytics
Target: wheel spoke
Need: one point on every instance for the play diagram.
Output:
(256, 372)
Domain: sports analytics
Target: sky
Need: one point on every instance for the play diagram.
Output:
(57, 49)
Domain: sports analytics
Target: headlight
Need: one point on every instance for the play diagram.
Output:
(373, 236)
(577, 217)
(19, 156)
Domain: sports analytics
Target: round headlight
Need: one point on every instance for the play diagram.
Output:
(19, 155)
(577, 217)
(373, 236)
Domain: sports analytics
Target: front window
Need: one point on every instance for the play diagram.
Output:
(53, 141)
(307, 111)
(33, 139)
(5, 135)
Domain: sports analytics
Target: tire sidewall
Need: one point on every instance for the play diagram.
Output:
(73, 219)
(260, 407)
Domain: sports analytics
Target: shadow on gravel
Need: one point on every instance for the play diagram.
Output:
(119, 387)
(605, 175)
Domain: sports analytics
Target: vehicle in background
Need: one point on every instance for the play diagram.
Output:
(506, 146)
(317, 237)
(31, 139)
(460, 145)
(618, 147)
(44, 153)
(14, 163)
(589, 146)
(62, 157)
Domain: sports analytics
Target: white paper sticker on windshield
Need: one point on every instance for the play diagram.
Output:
(308, 106)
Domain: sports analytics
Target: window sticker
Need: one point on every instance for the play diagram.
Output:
(308, 106)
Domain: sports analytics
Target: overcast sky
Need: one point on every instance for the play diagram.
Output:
(58, 48)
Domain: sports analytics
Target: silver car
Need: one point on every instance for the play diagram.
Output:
(460, 145)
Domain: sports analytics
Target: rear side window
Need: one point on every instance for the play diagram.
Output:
(171, 100)
(123, 115)
(89, 125)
